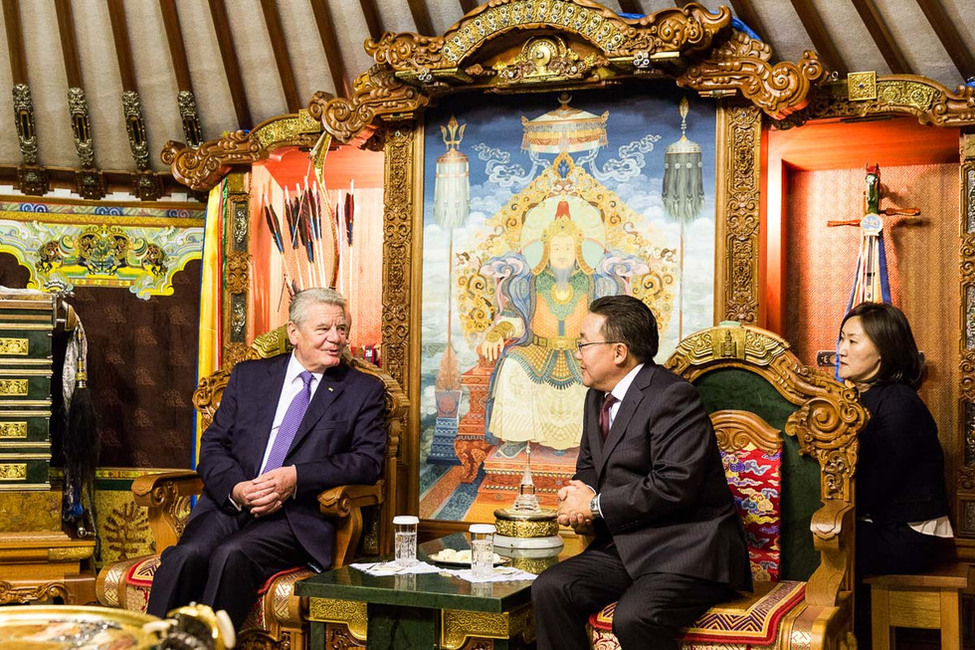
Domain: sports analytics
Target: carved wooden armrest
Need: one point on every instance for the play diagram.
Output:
(339, 501)
(832, 576)
(345, 503)
(166, 495)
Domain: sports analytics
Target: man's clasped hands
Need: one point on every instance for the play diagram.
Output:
(266, 494)
(574, 510)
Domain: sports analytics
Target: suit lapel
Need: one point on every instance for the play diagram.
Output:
(329, 389)
(590, 427)
(635, 395)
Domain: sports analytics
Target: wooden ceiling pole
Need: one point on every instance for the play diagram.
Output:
(323, 19)
(883, 37)
(225, 41)
(747, 14)
(31, 178)
(185, 99)
(821, 40)
(90, 182)
(949, 36)
(135, 125)
(421, 17)
(373, 20)
(275, 32)
(630, 7)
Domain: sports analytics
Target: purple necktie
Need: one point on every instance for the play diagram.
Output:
(608, 402)
(289, 425)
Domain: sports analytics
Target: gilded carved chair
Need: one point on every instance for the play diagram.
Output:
(788, 438)
(363, 516)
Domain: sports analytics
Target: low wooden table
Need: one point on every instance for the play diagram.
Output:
(430, 610)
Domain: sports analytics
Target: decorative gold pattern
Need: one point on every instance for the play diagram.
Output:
(861, 86)
(13, 387)
(330, 610)
(237, 272)
(672, 30)
(11, 593)
(13, 429)
(458, 625)
(11, 346)
(929, 101)
(13, 471)
(398, 185)
(737, 280)
(525, 528)
(69, 554)
(966, 490)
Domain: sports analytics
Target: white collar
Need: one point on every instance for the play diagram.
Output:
(623, 385)
(295, 368)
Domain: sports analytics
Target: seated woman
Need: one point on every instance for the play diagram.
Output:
(902, 505)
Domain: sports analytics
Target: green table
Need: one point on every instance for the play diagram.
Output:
(430, 610)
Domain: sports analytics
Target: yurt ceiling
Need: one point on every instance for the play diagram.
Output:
(245, 61)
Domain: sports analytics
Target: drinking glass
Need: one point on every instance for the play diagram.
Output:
(405, 529)
(482, 550)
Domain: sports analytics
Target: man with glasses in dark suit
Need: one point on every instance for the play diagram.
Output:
(650, 487)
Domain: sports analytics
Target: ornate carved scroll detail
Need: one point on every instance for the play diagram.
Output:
(671, 30)
(200, 168)
(929, 101)
(742, 191)
(14, 346)
(967, 360)
(11, 593)
(778, 89)
(237, 272)
(376, 93)
(397, 249)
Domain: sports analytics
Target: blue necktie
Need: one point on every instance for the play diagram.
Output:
(289, 425)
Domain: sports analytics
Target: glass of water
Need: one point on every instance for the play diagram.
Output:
(405, 529)
(482, 550)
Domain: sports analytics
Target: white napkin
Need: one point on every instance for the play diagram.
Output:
(391, 568)
(498, 574)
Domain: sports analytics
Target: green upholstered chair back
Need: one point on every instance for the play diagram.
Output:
(741, 368)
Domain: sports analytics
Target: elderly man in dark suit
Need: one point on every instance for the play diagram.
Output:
(649, 485)
(287, 428)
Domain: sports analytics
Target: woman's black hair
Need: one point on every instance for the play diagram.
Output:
(887, 327)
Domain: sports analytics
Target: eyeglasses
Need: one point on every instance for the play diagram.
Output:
(580, 345)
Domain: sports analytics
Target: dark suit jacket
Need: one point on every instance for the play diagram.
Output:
(341, 440)
(663, 493)
(901, 467)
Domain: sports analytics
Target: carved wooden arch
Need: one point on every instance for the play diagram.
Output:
(202, 167)
(829, 416)
(698, 50)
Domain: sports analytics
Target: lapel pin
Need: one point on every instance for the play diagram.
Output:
(330, 389)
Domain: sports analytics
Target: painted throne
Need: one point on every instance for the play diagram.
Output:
(361, 513)
(788, 440)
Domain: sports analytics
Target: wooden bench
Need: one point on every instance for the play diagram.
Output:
(930, 601)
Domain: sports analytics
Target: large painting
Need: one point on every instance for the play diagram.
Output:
(533, 207)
